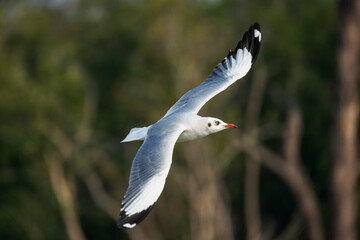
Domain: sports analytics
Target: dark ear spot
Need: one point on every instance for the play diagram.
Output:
(209, 124)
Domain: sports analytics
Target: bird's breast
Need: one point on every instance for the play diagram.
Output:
(189, 135)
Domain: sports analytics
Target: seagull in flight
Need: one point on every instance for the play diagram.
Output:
(181, 123)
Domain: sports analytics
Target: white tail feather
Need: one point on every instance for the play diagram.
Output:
(136, 134)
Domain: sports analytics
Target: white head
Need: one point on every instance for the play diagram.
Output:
(203, 126)
(215, 125)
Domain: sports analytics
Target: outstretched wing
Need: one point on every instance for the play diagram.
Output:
(233, 67)
(148, 172)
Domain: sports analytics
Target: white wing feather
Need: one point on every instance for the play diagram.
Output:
(219, 80)
(149, 171)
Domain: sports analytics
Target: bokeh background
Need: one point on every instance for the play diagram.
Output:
(77, 75)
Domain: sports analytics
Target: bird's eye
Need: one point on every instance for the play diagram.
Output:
(209, 124)
(217, 123)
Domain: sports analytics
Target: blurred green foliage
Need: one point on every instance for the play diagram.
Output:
(76, 76)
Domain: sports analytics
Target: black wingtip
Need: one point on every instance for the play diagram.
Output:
(256, 26)
(251, 41)
(127, 221)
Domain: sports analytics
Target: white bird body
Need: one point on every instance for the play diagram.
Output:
(181, 123)
(193, 129)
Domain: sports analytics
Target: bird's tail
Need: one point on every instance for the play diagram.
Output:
(136, 134)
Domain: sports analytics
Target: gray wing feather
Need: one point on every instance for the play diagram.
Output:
(235, 66)
(149, 171)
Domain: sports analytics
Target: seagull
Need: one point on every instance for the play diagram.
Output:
(181, 123)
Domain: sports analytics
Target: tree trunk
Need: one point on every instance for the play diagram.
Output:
(210, 216)
(344, 132)
(64, 193)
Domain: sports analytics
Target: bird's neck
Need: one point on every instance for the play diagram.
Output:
(197, 128)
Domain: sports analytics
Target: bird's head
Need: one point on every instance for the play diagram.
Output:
(215, 125)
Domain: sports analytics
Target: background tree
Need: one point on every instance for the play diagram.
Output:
(345, 123)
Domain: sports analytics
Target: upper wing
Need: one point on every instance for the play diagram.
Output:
(232, 68)
(148, 172)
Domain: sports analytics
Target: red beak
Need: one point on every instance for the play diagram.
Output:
(230, 125)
